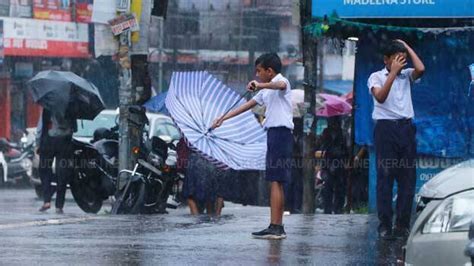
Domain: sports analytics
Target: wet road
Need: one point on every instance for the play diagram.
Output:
(28, 237)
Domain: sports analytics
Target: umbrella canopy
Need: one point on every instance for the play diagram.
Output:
(349, 97)
(65, 93)
(157, 104)
(194, 100)
(333, 106)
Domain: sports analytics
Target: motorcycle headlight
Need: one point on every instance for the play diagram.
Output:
(454, 214)
(28, 166)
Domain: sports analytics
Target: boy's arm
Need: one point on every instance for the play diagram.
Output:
(417, 63)
(381, 94)
(241, 109)
(277, 85)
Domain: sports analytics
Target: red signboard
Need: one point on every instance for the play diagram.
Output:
(22, 47)
(84, 10)
(52, 9)
(28, 37)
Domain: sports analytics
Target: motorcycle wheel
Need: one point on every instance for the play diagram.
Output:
(85, 195)
(130, 201)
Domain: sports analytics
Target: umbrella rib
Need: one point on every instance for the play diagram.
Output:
(186, 110)
(223, 151)
(229, 140)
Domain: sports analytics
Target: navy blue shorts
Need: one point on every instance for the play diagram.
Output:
(279, 154)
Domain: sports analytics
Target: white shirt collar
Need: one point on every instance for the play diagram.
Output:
(278, 76)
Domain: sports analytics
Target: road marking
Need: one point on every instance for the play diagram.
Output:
(47, 222)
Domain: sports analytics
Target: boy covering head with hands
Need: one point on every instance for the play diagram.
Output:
(395, 136)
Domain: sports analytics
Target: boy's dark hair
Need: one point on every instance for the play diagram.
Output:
(394, 47)
(269, 60)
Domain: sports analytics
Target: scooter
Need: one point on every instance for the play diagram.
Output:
(16, 166)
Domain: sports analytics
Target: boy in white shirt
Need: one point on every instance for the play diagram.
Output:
(395, 136)
(275, 94)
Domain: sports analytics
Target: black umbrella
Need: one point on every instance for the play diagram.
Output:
(66, 94)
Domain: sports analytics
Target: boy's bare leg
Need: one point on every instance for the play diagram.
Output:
(277, 203)
(219, 206)
(193, 206)
(210, 208)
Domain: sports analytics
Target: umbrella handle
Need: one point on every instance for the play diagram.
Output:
(228, 110)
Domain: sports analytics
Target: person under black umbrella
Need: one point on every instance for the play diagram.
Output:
(54, 135)
(65, 97)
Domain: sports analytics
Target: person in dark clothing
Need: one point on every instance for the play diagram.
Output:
(334, 153)
(54, 135)
(203, 182)
(294, 188)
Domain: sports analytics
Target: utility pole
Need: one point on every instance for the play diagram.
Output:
(310, 75)
(126, 94)
(160, 64)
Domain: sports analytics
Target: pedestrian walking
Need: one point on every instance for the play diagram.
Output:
(54, 135)
(332, 146)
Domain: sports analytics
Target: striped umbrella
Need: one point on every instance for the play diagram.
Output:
(194, 100)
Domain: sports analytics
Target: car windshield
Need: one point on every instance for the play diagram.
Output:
(165, 127)
(86, 128)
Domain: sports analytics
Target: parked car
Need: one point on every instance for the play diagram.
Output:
(455, 179)
(160, 126)
(440, 233)
(469, 251)
(86, 128)
(445, 208)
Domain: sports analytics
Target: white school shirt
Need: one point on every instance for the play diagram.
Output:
(278, 112)
(398, 104)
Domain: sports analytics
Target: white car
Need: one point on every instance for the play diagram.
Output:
(445, 207)
(440, 234)
(163, 126)
(455, 179)
(86, 128)
(160, 125)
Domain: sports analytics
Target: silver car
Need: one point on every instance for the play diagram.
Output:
(446, 208)
(455, 179)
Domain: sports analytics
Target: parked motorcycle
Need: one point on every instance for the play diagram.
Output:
(95, 170)
(148, 186)
(16, 166)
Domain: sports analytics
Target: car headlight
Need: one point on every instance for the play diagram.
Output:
(418, 199)
(454, 214)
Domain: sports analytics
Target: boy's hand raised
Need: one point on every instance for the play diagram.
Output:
(398, 64)
(217, 123)
(253, 85)
(403, 42)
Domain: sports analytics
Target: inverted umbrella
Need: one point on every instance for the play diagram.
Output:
(333, 106)
(194, 100)
(65, 93)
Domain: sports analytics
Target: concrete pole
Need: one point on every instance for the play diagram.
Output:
(310, 75)
(160, 64)
(126, 98)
